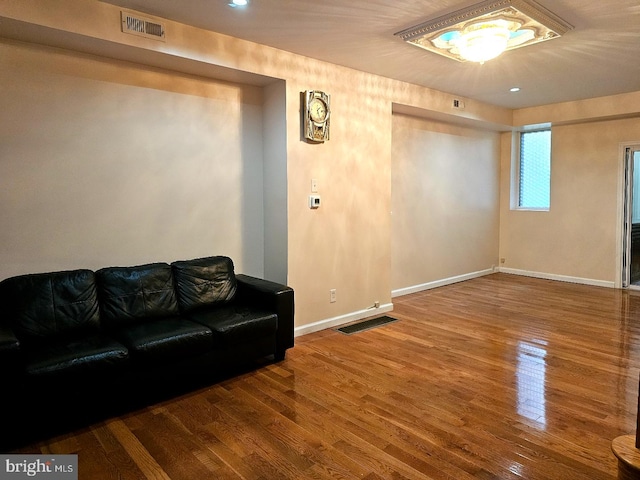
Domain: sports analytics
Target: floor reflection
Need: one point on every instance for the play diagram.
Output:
(530, 381)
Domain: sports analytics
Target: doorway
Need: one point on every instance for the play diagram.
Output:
(631, 231)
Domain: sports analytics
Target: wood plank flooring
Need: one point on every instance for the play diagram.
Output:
(500, 377)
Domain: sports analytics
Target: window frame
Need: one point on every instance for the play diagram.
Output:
(517, 163)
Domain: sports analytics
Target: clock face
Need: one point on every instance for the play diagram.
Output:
(318, 110)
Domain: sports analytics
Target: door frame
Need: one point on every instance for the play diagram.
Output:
(624, 214)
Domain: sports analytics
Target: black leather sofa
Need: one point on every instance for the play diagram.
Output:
(76, 346)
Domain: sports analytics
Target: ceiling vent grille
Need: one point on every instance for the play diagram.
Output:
(144, 27)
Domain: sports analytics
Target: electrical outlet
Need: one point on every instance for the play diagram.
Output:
(332, 295)
(502, 260)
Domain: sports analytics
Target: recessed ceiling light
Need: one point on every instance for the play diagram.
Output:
(514, 89)
(238, 3)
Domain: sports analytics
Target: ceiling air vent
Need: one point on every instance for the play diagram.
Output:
(144, 27)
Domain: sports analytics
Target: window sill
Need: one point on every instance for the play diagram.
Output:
(529, 209)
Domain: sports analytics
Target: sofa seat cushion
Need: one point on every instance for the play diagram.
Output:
(165, 338)
(93, 353)
(235, 324)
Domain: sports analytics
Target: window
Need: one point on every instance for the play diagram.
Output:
(534, 184)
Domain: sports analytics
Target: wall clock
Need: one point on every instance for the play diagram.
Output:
(316, 112)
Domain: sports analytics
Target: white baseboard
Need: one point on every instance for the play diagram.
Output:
(441, 283)
(560, 278)
(341, 320)
(370, 312)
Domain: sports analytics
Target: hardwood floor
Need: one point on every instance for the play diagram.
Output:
(500, 377)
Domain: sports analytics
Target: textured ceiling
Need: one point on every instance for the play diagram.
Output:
(599, 57)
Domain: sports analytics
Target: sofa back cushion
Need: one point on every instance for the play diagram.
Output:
(45, 305)
(131, 294)
(204, 281)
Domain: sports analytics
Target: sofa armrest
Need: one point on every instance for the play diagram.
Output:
(274, 297)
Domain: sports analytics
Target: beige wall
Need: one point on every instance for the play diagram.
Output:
(274, 135)
(345, 244)
(60, 181)
(107, 163)
(578, 237)
(445, 197)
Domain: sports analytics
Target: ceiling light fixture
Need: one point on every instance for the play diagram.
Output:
(238, 3)
(485, 30)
